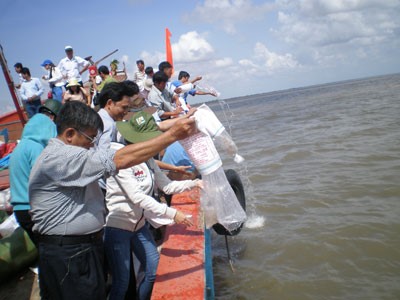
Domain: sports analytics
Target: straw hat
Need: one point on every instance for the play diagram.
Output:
(73, 82)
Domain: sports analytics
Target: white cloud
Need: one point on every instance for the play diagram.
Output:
(322, 23)
(229, 13)
(274, 61)
(341, 30)
(266, 61)
(192, 53)
(125, 59)
(191, 47)
(152, 59)
(224, 62)
(328, 7)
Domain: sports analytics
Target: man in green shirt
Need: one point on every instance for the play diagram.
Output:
(104, 73)
(105, 76)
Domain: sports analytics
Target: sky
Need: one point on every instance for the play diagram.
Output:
(240, 47)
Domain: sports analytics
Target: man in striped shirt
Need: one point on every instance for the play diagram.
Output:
(67, 205)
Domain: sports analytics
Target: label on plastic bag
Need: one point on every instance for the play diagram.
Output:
(202, 152)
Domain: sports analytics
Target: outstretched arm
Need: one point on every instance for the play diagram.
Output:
(137, 153)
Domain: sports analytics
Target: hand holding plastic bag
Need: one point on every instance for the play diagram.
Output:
(218, 200)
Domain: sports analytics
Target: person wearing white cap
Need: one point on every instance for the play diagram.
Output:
(72, 66)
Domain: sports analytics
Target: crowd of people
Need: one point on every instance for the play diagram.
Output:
(84, 178)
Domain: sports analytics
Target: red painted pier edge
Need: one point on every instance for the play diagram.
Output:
(181, 272)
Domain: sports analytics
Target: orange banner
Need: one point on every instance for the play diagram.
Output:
(168, 46)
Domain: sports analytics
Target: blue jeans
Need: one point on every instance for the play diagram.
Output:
(57, 92)
(119, 244)
(32, 107)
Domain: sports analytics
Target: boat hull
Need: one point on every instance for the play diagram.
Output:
(12, 122)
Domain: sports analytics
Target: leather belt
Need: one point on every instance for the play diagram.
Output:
(70, 239)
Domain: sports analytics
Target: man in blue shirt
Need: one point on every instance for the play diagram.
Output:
(31, 90)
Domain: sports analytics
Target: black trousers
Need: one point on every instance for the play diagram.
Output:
(71, 271)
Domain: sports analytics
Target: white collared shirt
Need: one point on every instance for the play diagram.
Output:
(31, 88)
(56, 77)
(70, 68)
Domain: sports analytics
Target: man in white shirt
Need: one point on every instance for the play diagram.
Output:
(72, 66)
(140, 74)
(31, 90)
(114, 101)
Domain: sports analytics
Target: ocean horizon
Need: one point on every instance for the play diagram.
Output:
(9, 105)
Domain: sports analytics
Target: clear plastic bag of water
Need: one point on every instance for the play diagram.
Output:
(218, 200)
(208, 123)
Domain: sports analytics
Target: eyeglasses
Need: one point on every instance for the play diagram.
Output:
(92, 140)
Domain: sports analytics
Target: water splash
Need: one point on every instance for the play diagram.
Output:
(208, 89)
(254, 222)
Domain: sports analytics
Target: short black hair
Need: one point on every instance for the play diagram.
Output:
(159, 77)
(116, 91)
(183, 74)
(164, 65)
(75, 114)
(26, 71)
(103, 70)
(131, 88)
(140, 61)
(18, 65)
(149, 70)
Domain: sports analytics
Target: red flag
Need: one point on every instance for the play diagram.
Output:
(168, 46)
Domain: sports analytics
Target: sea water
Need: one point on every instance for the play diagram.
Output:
(321, 176)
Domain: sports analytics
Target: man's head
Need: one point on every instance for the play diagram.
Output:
(69, 51)
(78, 124)
(50, 108)
(115, 98)
(160, 80)
(149, 71)
(183, 76)
(26, 74)
(18, 67)
(103, 72)
(140, 65)
(166, 67)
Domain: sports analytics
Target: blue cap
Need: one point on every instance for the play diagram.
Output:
(46, 62)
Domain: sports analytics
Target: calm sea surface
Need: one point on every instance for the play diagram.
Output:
(322, 180)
